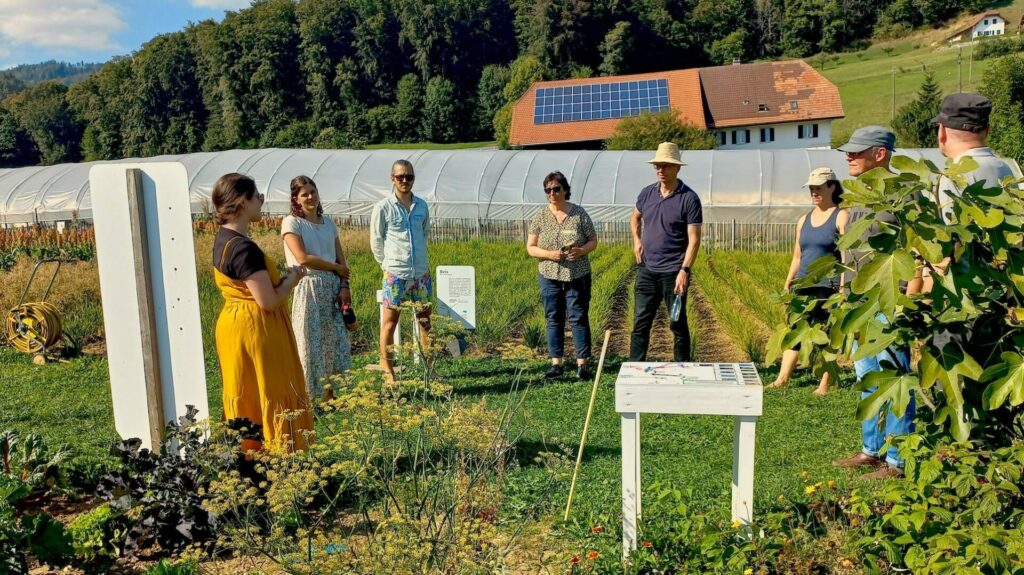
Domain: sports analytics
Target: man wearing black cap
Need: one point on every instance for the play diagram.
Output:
(872, 147)
(963, 128)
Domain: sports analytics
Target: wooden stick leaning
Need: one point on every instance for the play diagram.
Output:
(586, 423)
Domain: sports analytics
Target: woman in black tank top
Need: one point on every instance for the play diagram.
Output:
(816, 235)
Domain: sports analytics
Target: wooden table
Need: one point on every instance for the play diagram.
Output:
(732, 389)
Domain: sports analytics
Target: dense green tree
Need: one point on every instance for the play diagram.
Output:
(617, 49)
(456, 38)
(663, 37)
(16, 146)
(42, 111)
(725, 50)
(768, 26)
(913, 122)
(490, 97)
(646, 131)
(523, 73)
(1004, 84)
(257, 62)
(801, 27)
(562, 34)
(9, 84)
(166, 113)
(405, 125)
(101, 103)
(440, 111)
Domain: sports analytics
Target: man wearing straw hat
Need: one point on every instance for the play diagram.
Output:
(666, 225)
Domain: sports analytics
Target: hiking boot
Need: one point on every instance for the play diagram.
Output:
(553, 372)
(859, 460)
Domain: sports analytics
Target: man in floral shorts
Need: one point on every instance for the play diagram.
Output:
(398, 239)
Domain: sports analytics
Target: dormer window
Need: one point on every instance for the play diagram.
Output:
(793, 105)
(762, 107)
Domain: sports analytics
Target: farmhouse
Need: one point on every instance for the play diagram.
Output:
(990, 23)
(766, 105)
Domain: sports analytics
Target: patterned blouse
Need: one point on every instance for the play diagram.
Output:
(573, 232)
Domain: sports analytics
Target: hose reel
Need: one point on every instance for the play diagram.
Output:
(36, 327)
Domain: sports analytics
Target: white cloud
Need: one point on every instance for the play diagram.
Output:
(221, 4)
(59, 24)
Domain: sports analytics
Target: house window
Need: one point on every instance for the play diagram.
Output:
(985, 22)
(767, 134)
(808, 131)
(740, 137)
(793, 105)
(721, 138)
(762, 107)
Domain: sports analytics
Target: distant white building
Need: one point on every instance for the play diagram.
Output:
(990, 23)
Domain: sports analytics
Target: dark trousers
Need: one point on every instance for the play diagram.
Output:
(650, 290)
(567, 300)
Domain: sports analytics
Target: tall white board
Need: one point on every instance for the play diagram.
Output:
(172, 287)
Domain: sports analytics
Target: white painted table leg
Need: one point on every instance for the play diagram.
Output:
(743, 468)
(630, 480)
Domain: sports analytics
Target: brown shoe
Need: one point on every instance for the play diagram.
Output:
(859, 460)
(887, 472)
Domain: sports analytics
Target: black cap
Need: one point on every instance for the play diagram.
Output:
(964, 111)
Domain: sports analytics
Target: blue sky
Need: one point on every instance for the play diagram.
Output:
(33, 31)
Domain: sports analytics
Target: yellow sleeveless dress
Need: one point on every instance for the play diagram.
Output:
(259, 363)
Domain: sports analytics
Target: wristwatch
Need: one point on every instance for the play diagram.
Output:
(686, 269)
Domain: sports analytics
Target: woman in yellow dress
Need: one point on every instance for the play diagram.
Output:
(259, 360)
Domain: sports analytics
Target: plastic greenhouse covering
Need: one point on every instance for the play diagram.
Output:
(764, 186)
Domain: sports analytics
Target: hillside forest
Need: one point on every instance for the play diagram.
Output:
(349, 73)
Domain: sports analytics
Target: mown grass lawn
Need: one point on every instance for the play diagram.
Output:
(69, 403)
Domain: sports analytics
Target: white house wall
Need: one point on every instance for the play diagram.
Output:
(763, 185)
(995, 27)
(786, 137)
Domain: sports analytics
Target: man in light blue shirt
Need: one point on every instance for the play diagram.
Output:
(398, 239)
(962, 130)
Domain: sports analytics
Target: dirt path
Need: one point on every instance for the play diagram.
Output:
(713, 341)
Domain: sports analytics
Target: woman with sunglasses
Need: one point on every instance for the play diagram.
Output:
(259, 363)
(561, 236)
(816, 235)
(312, 241)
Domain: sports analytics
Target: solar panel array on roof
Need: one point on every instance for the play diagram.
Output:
(600, 101)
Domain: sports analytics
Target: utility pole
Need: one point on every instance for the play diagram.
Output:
(959, 68)
(893, 117)
(970, 66)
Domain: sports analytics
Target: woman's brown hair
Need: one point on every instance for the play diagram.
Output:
(229, 193)
(299, 182)
(562, 181)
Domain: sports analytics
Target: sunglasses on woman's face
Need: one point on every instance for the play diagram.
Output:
(553, 190)
(404, 177)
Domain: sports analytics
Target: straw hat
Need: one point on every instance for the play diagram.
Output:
(668, 153)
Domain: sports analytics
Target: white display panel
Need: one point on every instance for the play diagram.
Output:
(456, 294)
(174, 292)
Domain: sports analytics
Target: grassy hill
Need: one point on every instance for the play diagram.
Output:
(866, 79)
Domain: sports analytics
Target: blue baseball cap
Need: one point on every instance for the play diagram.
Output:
(869, 137)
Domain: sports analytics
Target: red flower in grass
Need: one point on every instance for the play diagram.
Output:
(593, 555)
(647, 544)
(575, 559)
(596, 529)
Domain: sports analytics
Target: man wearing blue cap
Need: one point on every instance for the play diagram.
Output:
(872, 147)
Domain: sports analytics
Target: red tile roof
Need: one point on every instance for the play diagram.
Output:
(789, 91)
(683, 96)
(706, 97)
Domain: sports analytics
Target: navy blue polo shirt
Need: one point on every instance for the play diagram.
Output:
(665, 220)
